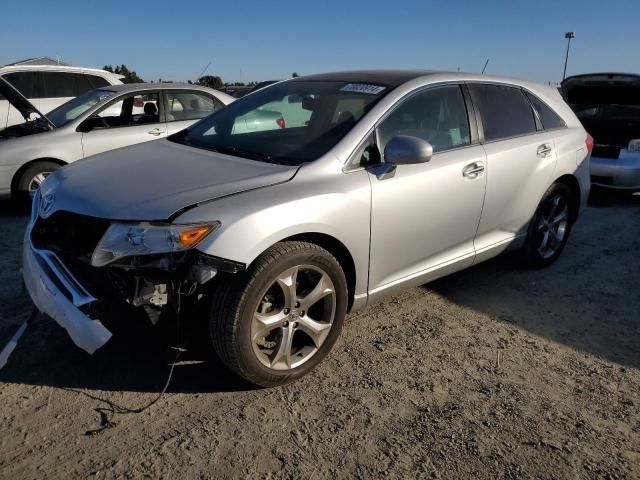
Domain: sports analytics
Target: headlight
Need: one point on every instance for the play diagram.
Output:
(634, 145)
(126, 240)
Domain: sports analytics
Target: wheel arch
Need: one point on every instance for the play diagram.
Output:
(24, 167)
(338, 250)
(571, 182)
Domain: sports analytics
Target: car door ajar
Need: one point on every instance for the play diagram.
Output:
(424, 217)
(520, 164)
(135, 118)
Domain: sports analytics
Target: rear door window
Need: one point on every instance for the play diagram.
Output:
(59, 84)
(24, 82)
(188, 106)
(548, 117)
(504, 110)
(84, 85)
(89, 82)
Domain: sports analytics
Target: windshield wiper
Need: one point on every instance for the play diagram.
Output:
(238, 152)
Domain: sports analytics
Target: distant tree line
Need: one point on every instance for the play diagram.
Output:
(130, 76)
(211, 81)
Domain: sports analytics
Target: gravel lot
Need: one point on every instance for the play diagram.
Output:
(496, 372)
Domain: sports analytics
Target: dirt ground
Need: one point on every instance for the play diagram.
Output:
(495, 372)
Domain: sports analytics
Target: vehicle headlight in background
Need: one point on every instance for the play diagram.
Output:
(126, 240)
(634, 145)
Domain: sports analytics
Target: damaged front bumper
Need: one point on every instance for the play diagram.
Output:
(77, 295)
(55, 291)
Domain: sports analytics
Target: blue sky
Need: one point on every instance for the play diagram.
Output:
(260, 40)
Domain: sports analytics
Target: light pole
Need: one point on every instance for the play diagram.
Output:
(568, 36)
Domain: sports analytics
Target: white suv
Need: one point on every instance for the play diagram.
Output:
(48, 87)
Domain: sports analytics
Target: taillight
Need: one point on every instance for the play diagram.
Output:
(281, 123)
(589, 143)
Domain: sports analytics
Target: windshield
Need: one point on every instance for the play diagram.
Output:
(289, 123)
(71, 110)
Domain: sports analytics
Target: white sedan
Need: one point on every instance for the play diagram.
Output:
(99, 120)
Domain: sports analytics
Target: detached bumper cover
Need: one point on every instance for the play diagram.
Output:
(55, 291)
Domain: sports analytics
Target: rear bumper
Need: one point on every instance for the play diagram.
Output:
(57, 293)
(622, 173)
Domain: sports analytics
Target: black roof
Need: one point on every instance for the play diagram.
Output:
(388, 78)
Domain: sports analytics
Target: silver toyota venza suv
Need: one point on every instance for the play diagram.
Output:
(314, 197)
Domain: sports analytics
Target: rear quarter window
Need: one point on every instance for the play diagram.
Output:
(504, 110)
(97, 81)
(548, 117)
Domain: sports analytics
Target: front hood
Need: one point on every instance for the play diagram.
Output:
(19, 102)
(154, 181)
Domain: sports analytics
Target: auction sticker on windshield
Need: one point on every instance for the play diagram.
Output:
(362, 88)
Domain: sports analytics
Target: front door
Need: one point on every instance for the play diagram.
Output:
(128, 120)
(424, 217)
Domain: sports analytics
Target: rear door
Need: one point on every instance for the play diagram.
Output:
(521, 161)
(184, 107)
(128, 120)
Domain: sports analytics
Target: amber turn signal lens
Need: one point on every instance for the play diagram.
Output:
(191, 236)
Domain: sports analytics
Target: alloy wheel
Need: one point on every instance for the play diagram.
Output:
(293, 318)
(37, 181)
(552, 226)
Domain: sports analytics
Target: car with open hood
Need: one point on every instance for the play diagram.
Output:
(99, 120)
(608, 105)
(373, 182)
(47, 86)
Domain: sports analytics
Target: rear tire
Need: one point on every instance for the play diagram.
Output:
(550, 227)
(32, 178)
(276, 321)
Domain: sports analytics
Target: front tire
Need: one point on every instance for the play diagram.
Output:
(33, 176)
(275, 322)
(550, 227)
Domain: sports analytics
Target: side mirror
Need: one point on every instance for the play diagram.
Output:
(91, 124)
(406, 150)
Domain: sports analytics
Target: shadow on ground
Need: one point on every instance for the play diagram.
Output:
(137, 360)
(588, 300)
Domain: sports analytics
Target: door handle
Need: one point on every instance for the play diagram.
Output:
(544, 150)
(473, 170)
(155, 131)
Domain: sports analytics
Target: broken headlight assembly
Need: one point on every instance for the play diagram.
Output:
(128, 239)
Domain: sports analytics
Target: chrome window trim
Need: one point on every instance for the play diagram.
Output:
(535, 113)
